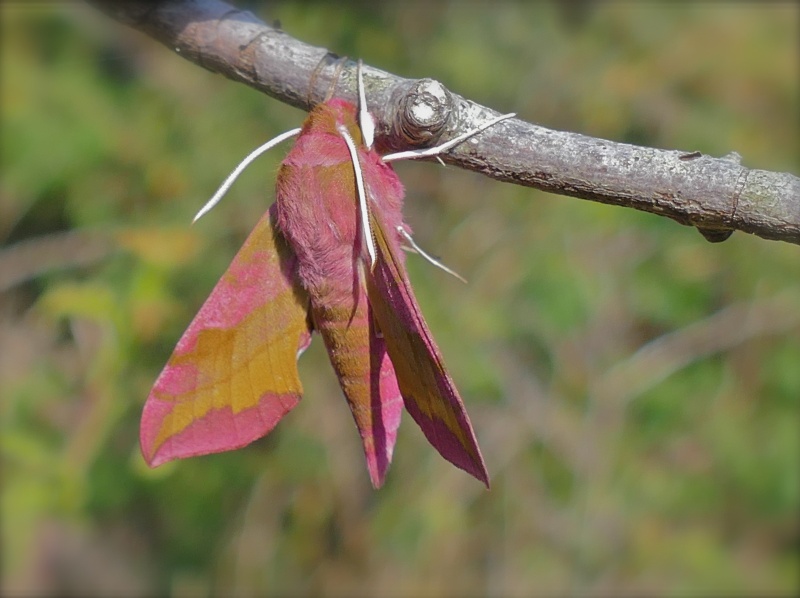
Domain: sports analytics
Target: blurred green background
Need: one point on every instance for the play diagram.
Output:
(635, 389)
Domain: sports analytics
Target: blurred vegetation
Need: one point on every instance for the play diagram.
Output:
(636, 390)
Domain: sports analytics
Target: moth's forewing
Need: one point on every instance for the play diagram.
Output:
(233, 374)
(428, 391)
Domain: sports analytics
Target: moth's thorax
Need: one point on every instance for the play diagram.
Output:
(325, 119)
(317, 201)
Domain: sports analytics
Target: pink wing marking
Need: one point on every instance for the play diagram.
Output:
(233, 374)
(428, 391)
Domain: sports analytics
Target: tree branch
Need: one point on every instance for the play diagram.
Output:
(717, 195)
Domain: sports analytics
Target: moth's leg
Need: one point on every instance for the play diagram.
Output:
(365, 121)
(404, 233)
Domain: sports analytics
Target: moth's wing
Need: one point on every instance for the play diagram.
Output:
(233, 374)
(428, 391)
(358, 355)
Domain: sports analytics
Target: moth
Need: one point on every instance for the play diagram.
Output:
(326, 257)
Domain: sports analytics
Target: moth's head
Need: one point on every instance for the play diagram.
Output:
(328, 116)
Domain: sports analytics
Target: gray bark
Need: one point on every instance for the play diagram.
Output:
(716, 195)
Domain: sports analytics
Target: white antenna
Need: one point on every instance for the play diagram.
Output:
(362, 195)
(440, 149)
(435, 151)
(226, 185)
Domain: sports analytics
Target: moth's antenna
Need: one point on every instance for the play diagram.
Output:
(335, 79)
(440, 149)
(365, 120)
(323, 63)
(240, 168)
(362, 195)
(431, 259)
